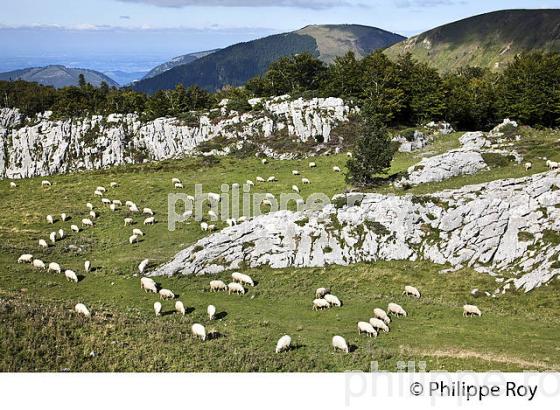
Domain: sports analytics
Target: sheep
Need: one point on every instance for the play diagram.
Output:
(283, 344)
(105, 201)
(89, 206)
(52, 237)
(235, 288)
(271, 179)
(249, 182)
(178, 185)
(217, 285)
(71, 275)
(231, 222)
(148, 284)
(132, 239)
(166, 294)
(349, 154)
(203, 226)
(113, 207)
(101, 189)
(133, 208)
(157, 308)
(266, 202)
(198, 331)
(87, 266)
(295, 172)
(528, 166)
(87, 222)
(211, 310)
(138, 232)
(381, 314)
(552, 164)
(74, 228)
(214, 197)
(338, 342)
(43, 243)
(395, 309)
(264, 161)
(81, 309)
(39, 264)
(54, 267)
(260, 179)
(142, 266)
(295, 189)
(129, 203)
(63, 217)
(321, 292)
(471, 310)
(13, 184)
(175, 180)
(367, 328)
(92, 214)
(128, 221)
(60, 233)
(319, 304)
(242, 278)
(117, 202)
(305, 181)
(333, 300)
(149, 221)
(180, 308)
(378, 324)
(45, 183)
(148, 211)
(412, 291)
(114, 184)
(336, 169)
(312, 165)
(50, 219)
(25, 258)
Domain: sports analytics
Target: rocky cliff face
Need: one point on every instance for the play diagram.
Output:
(506, 227)
(41, 146)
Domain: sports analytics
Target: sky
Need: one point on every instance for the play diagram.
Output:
(135, 35)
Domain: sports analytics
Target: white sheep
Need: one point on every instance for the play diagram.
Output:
(157, 308)
(211, 228)
(264, 161)
(338, 342)
(381, 314)
(39, 264)
(81, 309)
(471, 310)
(178, 185)
(43, 243)
(132, 239)
(98, 193)
(54, 267)
(149, 221)
(367, 328)
(166, 294)
(50, 219)
(52, 237)
(148, 211)
(242, 278)
(71, 275)
(128, 221)
(272, 179)
(63, 216)
(295, 189)
(528, 166)
(211, 310)
(411, 291)
(336, 169)
(89, 206)
(87, 266)
(25, 258)
(260, 179)
(74, 228)
(117, 202)
(321, 292)
(45, 183)
(87, 222)
(349, 154)
(175, 180)
(312, 165)
(231, 222)
(92, 214)
(552, 164)
(142, 266)
(133, 208)
(217, 285)
(305, 181)
(113, 207)
(235, 288)
(283, 344)
(295, 172)
(249, 182)
(105, 201)
(203, 226)
(129, 203)
(101, 189)
(214, 197)
(60, 233)
(180, 307)
(198, 331)
(333, 300)
(395, 309)
(13, 184)
(379, 324)
(114, 184)
(319, 304)
(148, 284)
(138, 232)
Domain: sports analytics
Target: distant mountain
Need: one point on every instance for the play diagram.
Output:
(487, 40)
(177, 61)
(57, 76)
(125, 77)
(238, 63)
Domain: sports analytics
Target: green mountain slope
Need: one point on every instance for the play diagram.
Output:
(58, 76)
(177, 61)
(487, 40)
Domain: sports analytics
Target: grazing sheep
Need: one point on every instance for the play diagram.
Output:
(117, 202)
(211, 228)
(52, 237)
(129, 203)
(260, 179)
(25, 258)
(133, 208)
(395, 309)
(89, 205)
(92, 214)
(148, 284)
(39, 264)
(231, 222)
(552, 164)
(63, 216)
(98, 193)
(336, 169)
(180, 308)
(128, 221)
(272, 179)
(60, 233)
(333, 300)
(338, 342)
(74, 228)
(105, 201)
(528, 166)
(378, 324)
(411, 291)
(211, 310)
(349, 154)
(203, 226)
(381, 314)
(319, 304)
(178, 185)
(87, 266)
(312, 165)
(295, 172)
(242, 278)
(45, 183)
(54, 267)
(199, 331)
(138, 232)
(50, 219)
(283, 344)
(101, 189)
(142, 266)
(321, 292)
(13, 184)
(235, 288)
(113, 207)
(71, 275)
(114, 184)
(217, 285)
(175, 180)
(305, 181)
(249, 182)
(148, 211)
(157, 308)
(149, 221)
(471, 310)
(295, 189)
(367, 328)
(264, 161)
(43, 243)
(87, 222)
(132, 239)
(166, 294)
(81, 309)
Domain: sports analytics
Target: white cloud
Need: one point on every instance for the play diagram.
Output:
(425, 3)
(307, 4)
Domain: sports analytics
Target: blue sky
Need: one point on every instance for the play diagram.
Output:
(134, 34)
